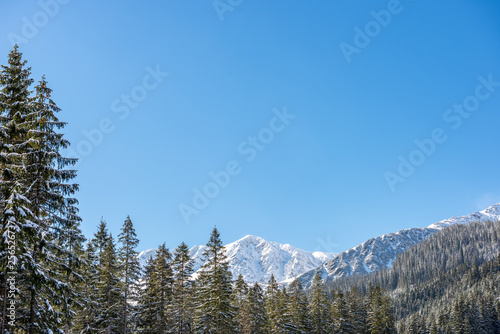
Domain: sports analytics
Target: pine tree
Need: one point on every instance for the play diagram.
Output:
(239, 297)
(154, 315)
(131, 271)
(146, 311)
(319, 307)
(285, 321)
(215, 312)
(299, 307)
(257, 318)
(183, 290)
(110, 290)
(87, 312)
(60, 240)
(18, 232)
(341, 323)
(357, 311)
(380, 313)
(35, 185)
(272, 304)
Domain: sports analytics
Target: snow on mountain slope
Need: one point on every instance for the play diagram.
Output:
(257, 259)
(491, 213)
(378, 253)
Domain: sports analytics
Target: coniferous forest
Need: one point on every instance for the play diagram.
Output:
(55, 280)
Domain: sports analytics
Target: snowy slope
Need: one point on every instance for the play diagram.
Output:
(256, 259)
(378, 253)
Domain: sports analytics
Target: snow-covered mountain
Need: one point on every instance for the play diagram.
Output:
(257, 259)
(378, 253)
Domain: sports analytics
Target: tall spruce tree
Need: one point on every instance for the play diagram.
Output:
(183, 291)
(215, 311)
(37, 198)
(17, 230)
(131, 272)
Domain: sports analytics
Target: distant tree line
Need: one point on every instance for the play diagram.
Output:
(446, 284)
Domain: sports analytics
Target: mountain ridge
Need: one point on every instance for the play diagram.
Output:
(256, 259)
(379, 252)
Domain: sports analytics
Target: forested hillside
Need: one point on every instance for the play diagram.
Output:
(446, 284)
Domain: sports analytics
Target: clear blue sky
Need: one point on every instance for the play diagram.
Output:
(319, 181)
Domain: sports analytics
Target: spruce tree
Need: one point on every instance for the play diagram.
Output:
(60, 241)
(18, 232)
(272, 300)
(341, 322)
(215, 311)
(131, 271)
(154, 307)
(299, 307)
(146, 310)
(240, 295)
(319, 307)
(183, 290)
(110, 290)
(36, 201)
(87, 311)
(380, 313)
(257, 317)
(163, 286)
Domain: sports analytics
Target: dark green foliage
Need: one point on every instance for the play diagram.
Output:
(130, 272)
(36, 205)
(319, 307)
(156, 294)
(183, 291)
(215, 312)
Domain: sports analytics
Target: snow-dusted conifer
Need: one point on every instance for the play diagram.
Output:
(131, 272)
(215, 311)
(183, 291)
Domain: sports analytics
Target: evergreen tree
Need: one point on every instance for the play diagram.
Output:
(110, 290)
(183, 290)
(239, 297)
(131, 271)
(17, 230)
(146, 311)
(257, 318)
(60, 241)
(299, 307)
(319, 307)
(156, 295)
(380, 314)
(36, 202)
(87, 313)
(215, 311)
(341, 322)
(357, 311)
(272, 300)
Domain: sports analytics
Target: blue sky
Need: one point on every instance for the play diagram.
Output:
(160, 95)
